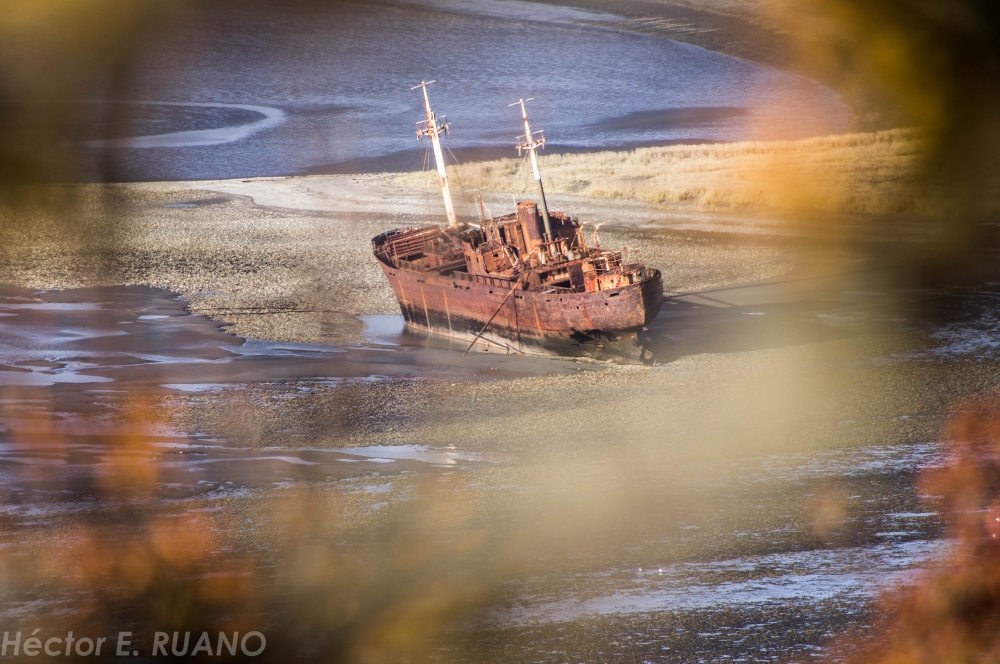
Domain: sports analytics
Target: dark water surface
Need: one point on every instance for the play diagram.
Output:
(282, 91)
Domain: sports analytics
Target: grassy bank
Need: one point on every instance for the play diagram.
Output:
(855, 173)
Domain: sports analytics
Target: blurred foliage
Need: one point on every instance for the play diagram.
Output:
(932, 64)
(55, 55)
(952, 613)
(346, 593)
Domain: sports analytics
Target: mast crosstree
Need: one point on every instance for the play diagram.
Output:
(432, 128)
(531, 141)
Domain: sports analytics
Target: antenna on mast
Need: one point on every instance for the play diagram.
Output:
(532, 141)
(432, 128)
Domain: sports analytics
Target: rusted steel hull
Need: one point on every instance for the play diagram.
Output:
(603, 324)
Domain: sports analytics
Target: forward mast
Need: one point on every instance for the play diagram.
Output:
(432, 128)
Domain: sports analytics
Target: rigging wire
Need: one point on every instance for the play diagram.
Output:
(468, 202)
(428, 183)
(520, 170)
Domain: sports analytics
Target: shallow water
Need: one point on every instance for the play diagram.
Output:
(733, 568)
(802, 579)
(70, 358)
(138, 338)
(887, 549)
(284, 91)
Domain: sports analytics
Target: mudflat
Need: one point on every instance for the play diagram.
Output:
(289, 259)
(543, 505)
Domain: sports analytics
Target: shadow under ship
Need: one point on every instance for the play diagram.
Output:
(525, 282)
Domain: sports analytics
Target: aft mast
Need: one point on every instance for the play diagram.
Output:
(432, 128)
(531, 141)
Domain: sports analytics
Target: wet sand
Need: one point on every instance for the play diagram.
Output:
(764, 469)
(289, 259)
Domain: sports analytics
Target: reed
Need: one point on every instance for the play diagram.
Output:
(857, 173)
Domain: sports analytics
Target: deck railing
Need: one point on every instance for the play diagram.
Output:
(484, 279)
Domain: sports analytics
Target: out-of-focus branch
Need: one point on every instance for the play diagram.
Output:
(55, 55)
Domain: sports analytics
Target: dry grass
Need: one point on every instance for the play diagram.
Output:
(858, 173)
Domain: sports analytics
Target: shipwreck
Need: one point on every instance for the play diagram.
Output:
(525, 282)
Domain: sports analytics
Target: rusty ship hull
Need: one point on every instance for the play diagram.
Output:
(505, 318)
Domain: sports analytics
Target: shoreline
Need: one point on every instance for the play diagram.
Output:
(743, 34)
(738, 28)
(411, 161)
